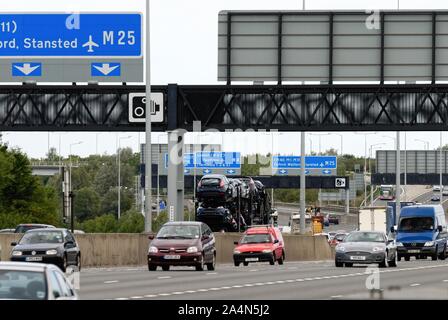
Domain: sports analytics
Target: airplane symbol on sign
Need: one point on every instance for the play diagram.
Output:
(90, 44)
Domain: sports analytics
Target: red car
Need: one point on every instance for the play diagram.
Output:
(260, 244)
(337, 239)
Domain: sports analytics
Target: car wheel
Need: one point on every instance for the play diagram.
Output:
(245, 264)
(383, 264)
(166, 268)
(349, 265)
(442, 255)
(435, 255)
(64, 264)
(281, 259)
(78, 263)
(211, 266)
(407, 258)
(236, 264)
(200, 266)
(152, 267)
(393, 262)
(338, 264)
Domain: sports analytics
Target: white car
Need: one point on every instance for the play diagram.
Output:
(34, 281)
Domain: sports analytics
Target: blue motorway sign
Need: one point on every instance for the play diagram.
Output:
(188, 162)
(27, 69)
(216, 160)
(71, 35)
(311, 162)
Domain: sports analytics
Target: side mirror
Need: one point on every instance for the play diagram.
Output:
(235, 243)
(13, 244)
(205, 237)
(389, 241)
(69, 244)
(151, 237)
(392, 229)
(276, 241)
(440, 228)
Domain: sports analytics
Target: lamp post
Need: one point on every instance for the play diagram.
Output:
(119, 173)
(70, 175)
(158, 174)
(365, 162)
(370, 168)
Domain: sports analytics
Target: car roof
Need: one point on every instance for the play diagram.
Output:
(24, 266)
(266, 229)
(183, 223)
(48, 229)
(213, 176)
(360, 231)
(35, 224)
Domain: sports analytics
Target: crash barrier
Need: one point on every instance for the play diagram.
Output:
(123, 249)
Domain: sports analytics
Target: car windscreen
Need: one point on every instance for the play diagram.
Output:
(416, 224)
(256, 238)
(27, 285)
(35, 237)
(364, 237)
(212, 182)
(178, 232)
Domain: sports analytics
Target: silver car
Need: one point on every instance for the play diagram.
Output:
(34, 281)
(365, 247)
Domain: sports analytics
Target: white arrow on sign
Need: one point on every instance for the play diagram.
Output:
(27, 68)
(105, 68)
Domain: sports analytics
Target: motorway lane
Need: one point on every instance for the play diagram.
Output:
(293, 280)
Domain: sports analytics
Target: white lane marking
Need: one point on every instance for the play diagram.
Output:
(111, 281)
(414, 285)
(177, 292)
(253, 270)
(215, 289)
(336, 296)
(121, 298)
(202, 290)
(190, 291)
(445, 280)
(137, 297)
(164, 277)
(211, 273)
(237, 286)
(164, 294)
(150, 296)
(226, 288)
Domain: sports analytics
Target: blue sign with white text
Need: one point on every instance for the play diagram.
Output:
(27, 69)
(312, 162)
(225, 160)
(71, 35)
(188, 161)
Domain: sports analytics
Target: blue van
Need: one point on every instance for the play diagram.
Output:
(422, 232)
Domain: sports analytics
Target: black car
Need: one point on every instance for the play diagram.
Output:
(49, 245)
(240, 187)
(22, 228)
(218, 219)
(215, 188)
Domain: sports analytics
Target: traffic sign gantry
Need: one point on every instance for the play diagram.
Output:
(314, 165)
(58, 47)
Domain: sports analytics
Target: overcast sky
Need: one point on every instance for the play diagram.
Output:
(184, 51)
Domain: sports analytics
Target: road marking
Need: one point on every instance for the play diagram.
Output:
(226, 288)
(111, 281)
(137, 297)
(178, 292)
(190, 291)
(164, 294)
(415, 285)
(253, 270)
(121, 298)
(164, 277)
(336, 296)
(215, 289)
(211, 273)
(237, 286)
(150, 296)
(445, 280)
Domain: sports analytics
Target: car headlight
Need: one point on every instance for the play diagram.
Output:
(192, 249)
(340, 248)
(153, 250)
(267, 251)
(399, 244)
(17, 253)
(378, 249)
(236, 251)
(51, 252)
(429, 243)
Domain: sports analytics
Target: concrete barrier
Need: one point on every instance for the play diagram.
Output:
(105, 250)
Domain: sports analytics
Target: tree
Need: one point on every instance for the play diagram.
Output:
(109, 203)
(86, 203)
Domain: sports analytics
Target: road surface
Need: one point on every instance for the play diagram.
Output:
(416, 279)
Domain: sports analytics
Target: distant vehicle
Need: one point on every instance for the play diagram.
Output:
(215, 188)
(391, 219)
(333, 219)
(435, 198)
(78, 232)
(326, 221)
(285, 229)
(436, 188)
(373, 219)
(445, 191)
(338, 238)
(49, 245)
(323, 234)
(22, 228)
(365, 247)
(331, 235)
(387, 192)
(7, 230)
(219, 219)
(422, 232)
(240, 185)
(34, 281)
(260, 244)
(182, 244)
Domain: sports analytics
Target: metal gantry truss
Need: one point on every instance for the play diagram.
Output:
(409, 107)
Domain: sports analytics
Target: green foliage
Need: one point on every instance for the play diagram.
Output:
(87, 203)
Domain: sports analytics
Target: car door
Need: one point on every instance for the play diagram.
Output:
(207, 242)
(71, 250)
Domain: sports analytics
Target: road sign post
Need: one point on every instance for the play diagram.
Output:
(302, 183)
(148, 160)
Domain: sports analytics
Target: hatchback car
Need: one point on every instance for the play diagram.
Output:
(34, 281)
(339, 237)
(365, 247)
(215, 188)
(260, 244)
(182, 244)
(22, 228)
(55, 246)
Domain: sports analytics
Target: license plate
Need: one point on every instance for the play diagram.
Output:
(251, 259)
(357, 258)
(413, 251)
(33, 259)
(172, 257)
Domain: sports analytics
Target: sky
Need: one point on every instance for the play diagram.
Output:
(184, 51)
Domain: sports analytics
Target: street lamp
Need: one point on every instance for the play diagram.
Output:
(365, 162)
(370, 168)
(425, 142)
(158, 175)
(320, 140)
(119, 173)
(70, 155)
